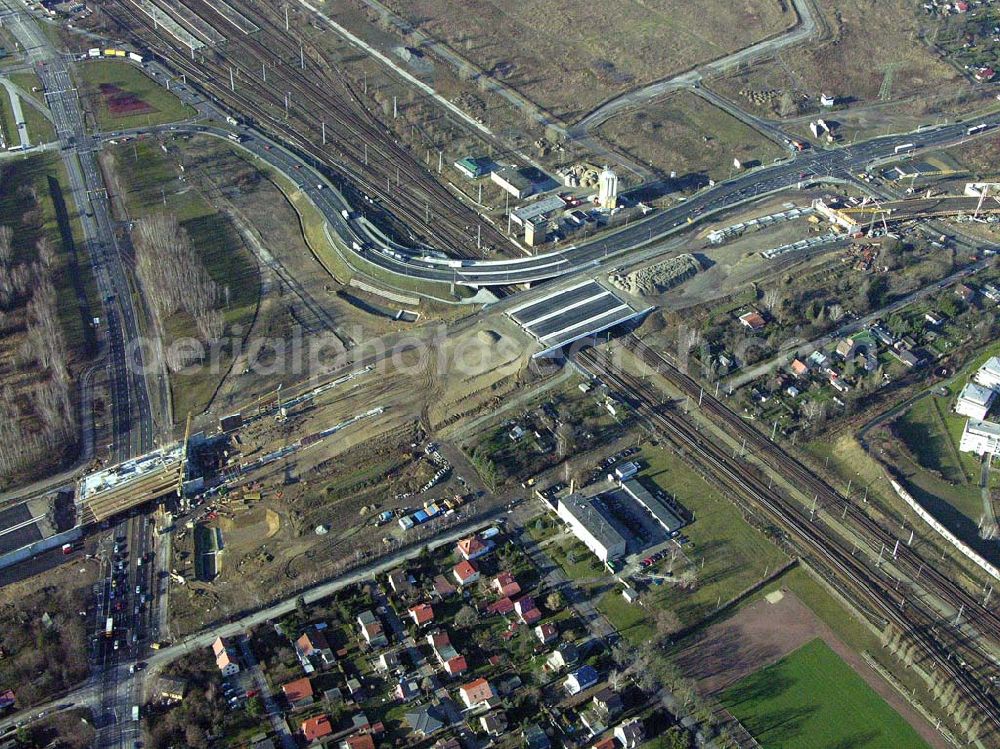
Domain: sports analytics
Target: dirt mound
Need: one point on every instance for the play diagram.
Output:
(655, 279)
(489, 336)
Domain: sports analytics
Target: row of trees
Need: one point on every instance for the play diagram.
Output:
(173, 277)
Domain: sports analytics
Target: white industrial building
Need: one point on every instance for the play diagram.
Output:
(975, 401)
(980, 437)
(591, 524)
(989, 374)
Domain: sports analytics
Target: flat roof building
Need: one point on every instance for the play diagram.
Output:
(510, 179)
(975, 401)
(537, 209)
(989, 374)
(665, 516)
(593, 526)
(980, 437)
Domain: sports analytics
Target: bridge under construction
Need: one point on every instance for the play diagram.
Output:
(854, 218)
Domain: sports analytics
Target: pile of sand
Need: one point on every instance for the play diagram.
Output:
(655, 279)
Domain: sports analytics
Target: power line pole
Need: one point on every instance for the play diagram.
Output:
(322, 126)
(232, 82)
(286, 17)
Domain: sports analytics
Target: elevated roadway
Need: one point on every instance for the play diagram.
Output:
(344, 222)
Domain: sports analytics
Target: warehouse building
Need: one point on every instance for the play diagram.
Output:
(593, 525)
(510, 179)
(980, 437)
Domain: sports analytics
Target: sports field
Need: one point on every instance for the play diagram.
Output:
(811, 699)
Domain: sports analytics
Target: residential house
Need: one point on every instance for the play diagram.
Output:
(534, 737)
(991, 292)
(567, 654)
(356, 689)
(442, 587)
(608, 703)
(473, 547)
(449, 743)
(817, 359)
(225, 657)
(506, 585)
(466, 573)
(476, 692)
(502, 607)
(299, 693)
(168, 689)
(934, 319)
(966, 293)
(846, 349)
(313, 645)
(422, 613)
(400, 583)
(7, 699)
(546, 633)
(441, 645)
(313, 729)
(527, 610)
(753, 320)
(799, 368)
(608, 742)
(581, 679)
(361, 741)
(407, 689)
(425, 720)
(387, 662)
(630, 733)
(261, 741)
(494, 724)
(371, 630)
(456, 666)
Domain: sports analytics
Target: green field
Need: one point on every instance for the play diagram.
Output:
(155, 187)
(129, 80)
(812, 699)
(727, 554)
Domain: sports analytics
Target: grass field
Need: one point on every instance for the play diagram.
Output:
(155, 187)
(569, 60)
(161, 105)
(812, 699)
(686, 134)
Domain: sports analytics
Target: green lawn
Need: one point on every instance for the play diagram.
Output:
(165, 107)
(728, 554)
(630, 619)
(811, 699)
(150, 184)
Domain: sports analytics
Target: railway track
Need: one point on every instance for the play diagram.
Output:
(874, 589)
(358, 146)
(905, 556)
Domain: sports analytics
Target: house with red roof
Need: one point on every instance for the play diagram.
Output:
(316, 728)
(422, 614)
(546, 633)
(476, 692)
(506, 585)
(473, 547)
(441, 645)
(299, 693)
(466, 572)
(527, 610)
(456, 666)
(362, 741)
(503, 607)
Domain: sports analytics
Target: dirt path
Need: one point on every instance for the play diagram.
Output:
(765, 632)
